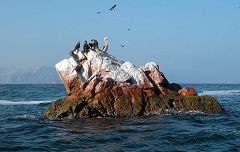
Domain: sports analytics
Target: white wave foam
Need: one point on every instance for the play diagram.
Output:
(25, 116)
(6, 102)
(220, 92)
(194, 112)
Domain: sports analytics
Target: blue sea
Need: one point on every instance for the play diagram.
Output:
(23, 128)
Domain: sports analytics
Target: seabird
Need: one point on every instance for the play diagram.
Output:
(106, 44)
(113, 7)
(86, 47)
(94, 45)
(75, 56)
(122, 46)
(129, 29)
(98, 12)
(95, 42)
(77, 46)
(91, 45)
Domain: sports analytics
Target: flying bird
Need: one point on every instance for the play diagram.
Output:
(113, 7)
(98, 12)
(122, 46)
(129, 29)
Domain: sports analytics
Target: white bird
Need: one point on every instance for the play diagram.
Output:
(106, 44)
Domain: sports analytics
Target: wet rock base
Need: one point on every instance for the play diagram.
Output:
(128, 106)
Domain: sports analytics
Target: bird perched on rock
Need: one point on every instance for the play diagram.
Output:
(75, 51)
(86, 47)
(106, 44)
(91, 45)
(94, 45)
(77, 46)
(95, 42)
(113, 7)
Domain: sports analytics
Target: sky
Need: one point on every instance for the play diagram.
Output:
(192, 41)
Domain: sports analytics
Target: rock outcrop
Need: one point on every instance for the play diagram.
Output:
(102, 85)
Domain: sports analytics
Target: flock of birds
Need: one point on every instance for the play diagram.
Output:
(77, 46)
(112, 9)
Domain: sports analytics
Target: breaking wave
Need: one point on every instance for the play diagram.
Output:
(7, 102)
(220, 92)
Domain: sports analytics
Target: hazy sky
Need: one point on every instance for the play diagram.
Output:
(195, 41)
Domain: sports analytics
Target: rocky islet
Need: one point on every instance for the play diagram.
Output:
(104, 86)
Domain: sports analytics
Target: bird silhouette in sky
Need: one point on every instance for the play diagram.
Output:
(122, 46)
(113, 7)
(98, 12)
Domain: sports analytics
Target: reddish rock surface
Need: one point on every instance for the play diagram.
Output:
(187, 92)
(105, 86)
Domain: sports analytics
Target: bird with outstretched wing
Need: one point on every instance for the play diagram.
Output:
(113, 7)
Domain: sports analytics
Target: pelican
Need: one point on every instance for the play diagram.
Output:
(106, 44)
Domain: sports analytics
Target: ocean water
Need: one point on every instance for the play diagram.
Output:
(23, 128)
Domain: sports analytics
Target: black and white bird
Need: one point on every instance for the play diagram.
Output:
(113, 7)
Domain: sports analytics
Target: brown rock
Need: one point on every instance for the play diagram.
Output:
(73, 87)
(166, 91)
(103, 86)
(149, 92)
(129, 100)
(103, 105)
(187, 92)
(89, 90)
(153, 73)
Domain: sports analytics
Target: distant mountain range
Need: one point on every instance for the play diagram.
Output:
(43, 75)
